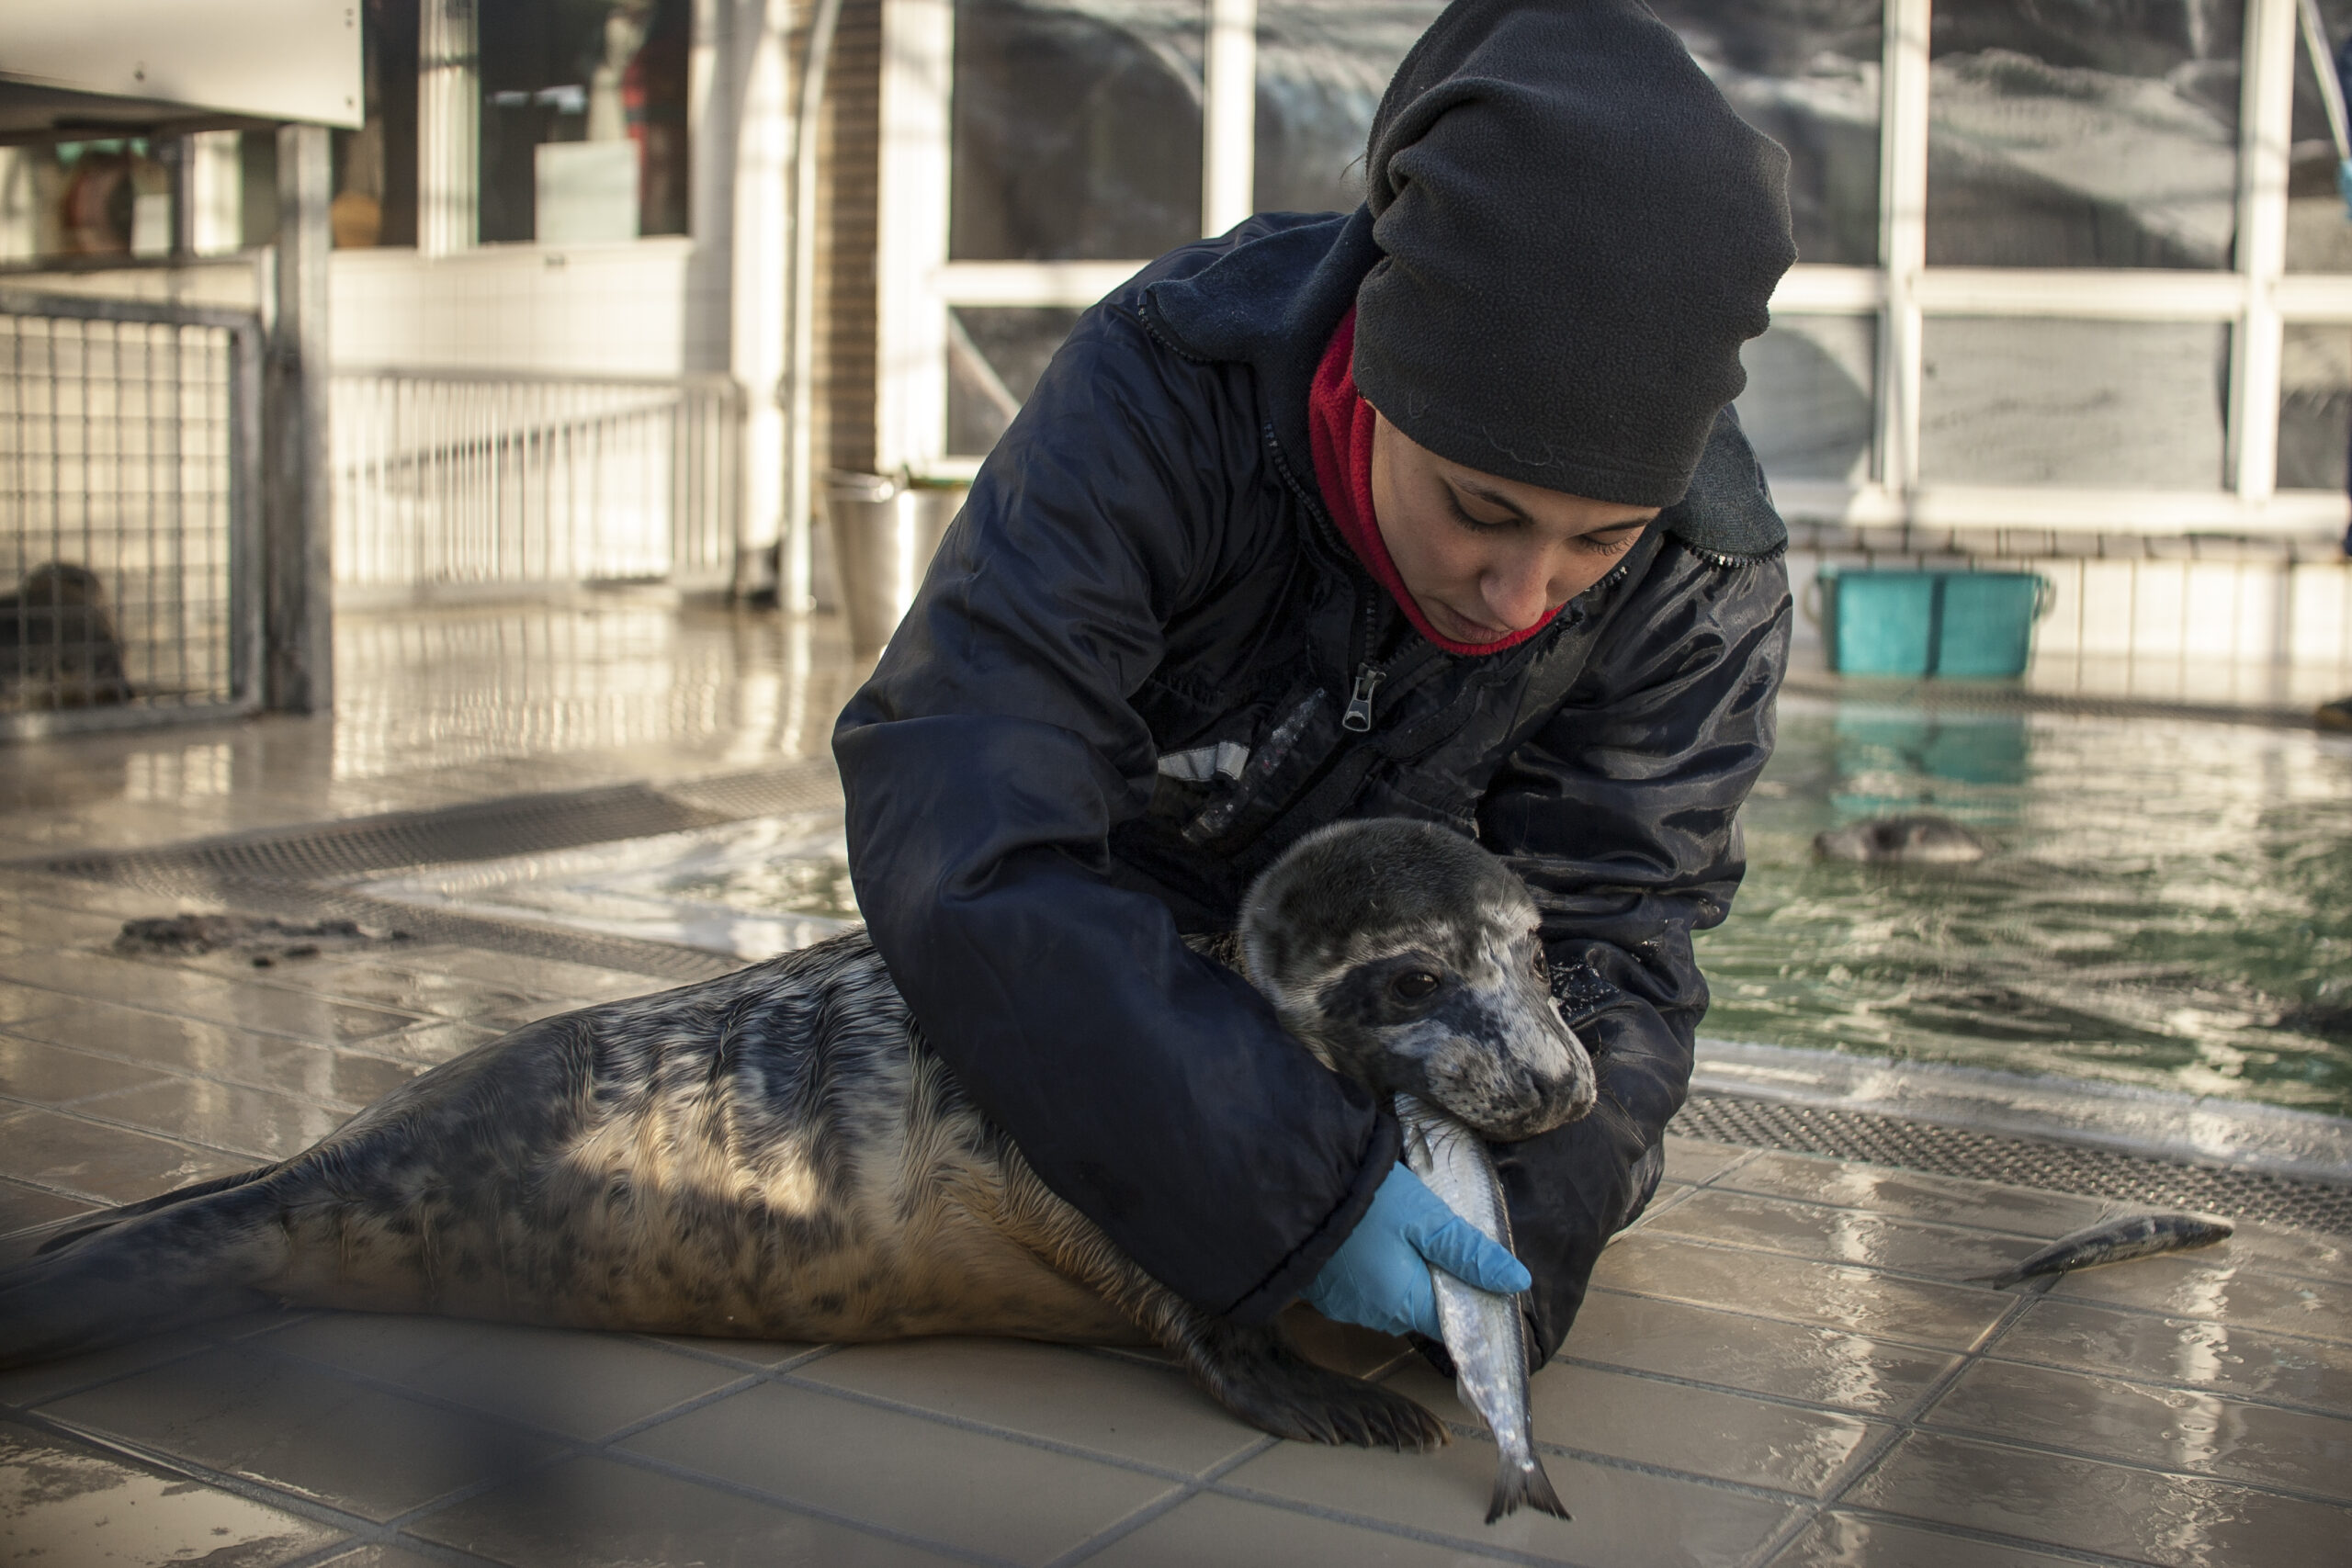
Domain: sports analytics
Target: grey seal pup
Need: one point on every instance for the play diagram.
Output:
(776, 1154)
(1920, 838)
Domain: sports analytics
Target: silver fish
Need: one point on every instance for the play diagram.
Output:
(2113, 1241)
(1483, 1331)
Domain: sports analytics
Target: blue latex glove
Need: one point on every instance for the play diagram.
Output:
(2343, 184)
(1380, 1276)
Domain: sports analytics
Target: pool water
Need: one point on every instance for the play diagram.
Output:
(2171, 904)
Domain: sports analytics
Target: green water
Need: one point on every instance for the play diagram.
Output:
(2172, 905)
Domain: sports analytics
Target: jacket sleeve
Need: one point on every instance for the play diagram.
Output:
(1621, 814)
(985, 764)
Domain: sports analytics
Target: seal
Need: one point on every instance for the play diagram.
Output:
(1922, 840)
(775, 1154)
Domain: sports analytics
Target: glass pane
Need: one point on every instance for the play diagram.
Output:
(995, 355)
(1806, 73)
(2096, 133)
(1807, 407)
(2314, 407)
(1322, 65)
(375, 166)
(584, 119)
(2028, 403)
(1077, 130)
(2319, 236)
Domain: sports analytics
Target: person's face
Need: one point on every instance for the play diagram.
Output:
(1486, 557)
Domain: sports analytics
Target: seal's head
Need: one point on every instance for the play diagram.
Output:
(1407, 958)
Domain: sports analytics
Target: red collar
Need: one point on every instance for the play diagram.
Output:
(1339, 426)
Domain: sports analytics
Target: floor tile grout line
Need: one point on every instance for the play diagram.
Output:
(1389, 1527)
(677, 1471)
(1752, 1249)
(85, 998)
(2169, 1473)
(2207, 1391)
(419, 1546)
(1120, 1528)
(285, 1500)
(1866, 1459)
(1992, 1538)
(252, 1156)
(2255, 1265)
(199, 1076)
(1759, 1396)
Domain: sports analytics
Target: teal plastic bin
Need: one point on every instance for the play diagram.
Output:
(1975, 625)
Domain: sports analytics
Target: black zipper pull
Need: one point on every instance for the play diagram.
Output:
(1358, 714)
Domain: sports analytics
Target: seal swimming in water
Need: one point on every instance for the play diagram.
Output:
(1921, 839)
(776, 1154)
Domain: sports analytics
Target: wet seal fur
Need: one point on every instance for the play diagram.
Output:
(775, 1154)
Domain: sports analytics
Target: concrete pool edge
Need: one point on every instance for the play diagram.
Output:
(2304, 1144)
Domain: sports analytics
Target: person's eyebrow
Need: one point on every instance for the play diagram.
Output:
(1491, 497)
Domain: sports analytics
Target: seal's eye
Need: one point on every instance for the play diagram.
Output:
(1412, 985)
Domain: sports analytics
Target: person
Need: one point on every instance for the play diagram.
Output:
(1436, 509)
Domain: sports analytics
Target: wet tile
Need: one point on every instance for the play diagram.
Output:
(1841, 1235)
(430, 1045)
(1768, 1356)
(1235, 1534)
(347, 1076)
(1801, 1291)
(28, 1387)
(1103, 1403)
(380, 1555)
(301, 1428)
(19, 1002)
(161, 988)
(1700, 1159)
(22, 1206)
(1695, 1430)
(2092, 1506)
(49, 1074)
(2167, 1428)
(54, 1149)
(2278, 1249)
(547, 976)
(2214, 1356)
(583, 1385)
(1847, 1540)
(1624, 1519)
(2209, 1286)
(229, 1116)
(758, 1354)
(594, 1513)
(938, 1482)
(516, 1016)
(68, 1504)
(436, 995)
(1910, 1194)
(45, 926)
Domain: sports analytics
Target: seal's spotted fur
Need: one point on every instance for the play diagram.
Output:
(775, 1154)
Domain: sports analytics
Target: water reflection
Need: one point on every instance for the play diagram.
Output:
(2172, 905)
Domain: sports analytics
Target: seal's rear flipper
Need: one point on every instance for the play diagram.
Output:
(1530, 1485)
(194, 1260)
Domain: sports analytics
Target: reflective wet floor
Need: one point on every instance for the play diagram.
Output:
(1785, 1363)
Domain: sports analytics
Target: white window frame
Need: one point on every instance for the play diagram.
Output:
(919, 285)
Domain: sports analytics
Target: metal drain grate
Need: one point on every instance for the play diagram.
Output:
(2021, 1162)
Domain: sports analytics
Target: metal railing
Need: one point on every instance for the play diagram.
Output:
(129, 507)
(455, 482)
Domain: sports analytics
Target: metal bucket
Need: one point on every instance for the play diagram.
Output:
(884, 535)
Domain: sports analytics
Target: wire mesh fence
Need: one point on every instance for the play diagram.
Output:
(129, 488)
(455, 481)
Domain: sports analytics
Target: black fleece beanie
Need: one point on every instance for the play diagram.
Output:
(1579, 234)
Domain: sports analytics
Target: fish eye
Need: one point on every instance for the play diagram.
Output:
(1413, 986)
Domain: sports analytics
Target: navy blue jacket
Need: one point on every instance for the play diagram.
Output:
(1121, 692)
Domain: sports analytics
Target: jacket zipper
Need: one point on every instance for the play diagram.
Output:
(1358, 714)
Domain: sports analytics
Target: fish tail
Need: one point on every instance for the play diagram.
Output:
(120, 1278)
(1517, 1483)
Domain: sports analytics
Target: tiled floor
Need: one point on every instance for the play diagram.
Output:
(1784, 1364)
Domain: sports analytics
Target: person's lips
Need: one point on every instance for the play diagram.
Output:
(1460, 627)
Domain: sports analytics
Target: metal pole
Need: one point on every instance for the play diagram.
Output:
(297, 557)
(794, 591)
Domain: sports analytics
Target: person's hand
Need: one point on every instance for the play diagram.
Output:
(1380, 1276)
